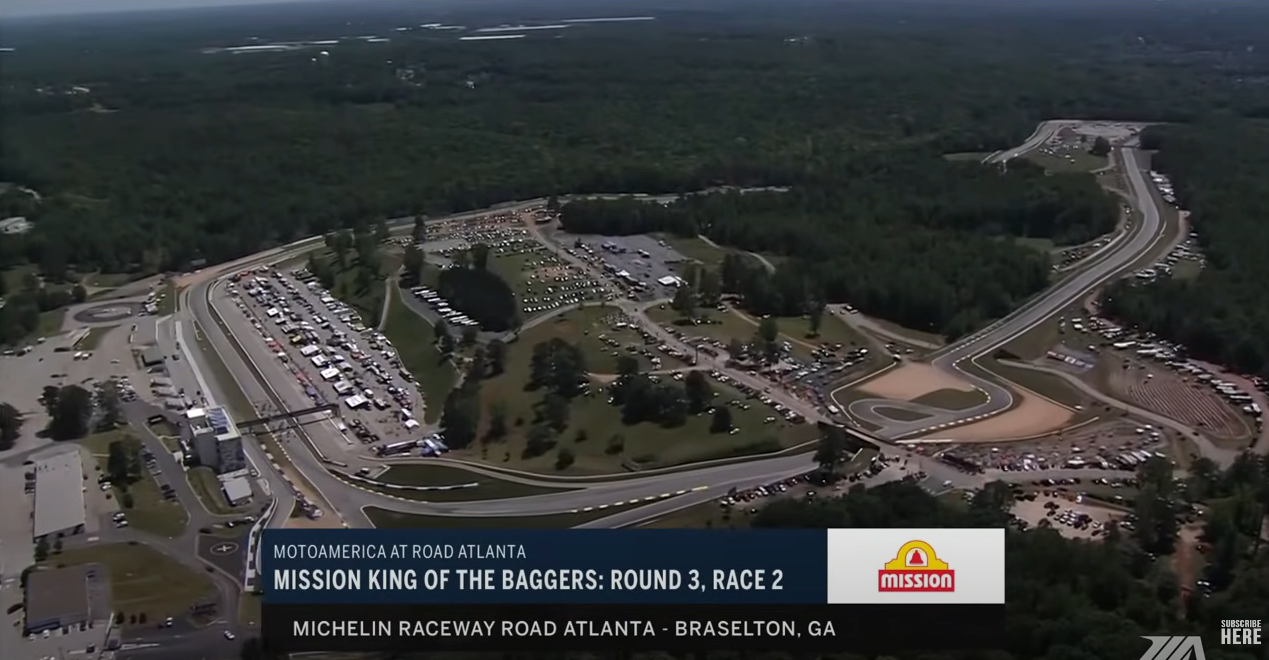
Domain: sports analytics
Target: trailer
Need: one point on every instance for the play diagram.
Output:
(397, 448)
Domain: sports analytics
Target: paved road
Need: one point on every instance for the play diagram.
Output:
(961, 356)
(349, 501)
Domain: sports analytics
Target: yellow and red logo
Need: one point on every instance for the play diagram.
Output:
(916, 568)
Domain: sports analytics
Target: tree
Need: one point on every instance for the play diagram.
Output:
(721, 421)
(684, 301)
(815, 316)
(108, 407)
(496, 354)
(539, 440)
(831, 449)
(497, 429)
(72, 410)
(615, 445)
(699, 393)
(460, 418)
(555, 411)
(412, 265)
(480, 256)
(78, 293)
(10, 425)
(419, 231)
(41, 549)
(1101, 147)
(382, 234)
(564, 458)
(469, 335)
(768, 329)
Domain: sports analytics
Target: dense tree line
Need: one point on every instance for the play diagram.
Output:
(482, 295)
(1218, 170)
(175, 157)
(904, 236)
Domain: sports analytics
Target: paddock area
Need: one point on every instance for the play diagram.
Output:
(1182, 398)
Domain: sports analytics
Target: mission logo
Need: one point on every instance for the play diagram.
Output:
(916, 568)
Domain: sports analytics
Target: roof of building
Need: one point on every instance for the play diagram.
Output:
(237, 488)
(59, 595)
(152, 356)
(215, 421)
(59, 494)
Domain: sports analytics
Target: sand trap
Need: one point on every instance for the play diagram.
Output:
(1031, 417)
(913, 380)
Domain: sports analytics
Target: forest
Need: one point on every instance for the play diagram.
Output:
(1218, 170)
(155, 155)
(908, 237)
(1066, 599)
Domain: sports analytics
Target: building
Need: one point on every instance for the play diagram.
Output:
(65, 598)
(237, 487)
(15, 225)
(59, 497)
(152, 357)
(216, 441)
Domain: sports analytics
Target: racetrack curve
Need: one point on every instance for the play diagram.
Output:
(955, 358)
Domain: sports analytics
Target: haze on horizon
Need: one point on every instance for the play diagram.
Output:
(25, 8)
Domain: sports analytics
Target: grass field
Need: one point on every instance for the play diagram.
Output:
(900, 414)
(167, 301)
(1186, 269)
(1047, 385)
(206, 486)
(589, 328)
(367, 301)
(728, 325)
(696, 249)
(970, 156)
(1044, 245)
(1077, 160)
(150, 512)
(411, 335)
(915, 335)
(949, 399)
(92, 340)
(593, 422)
(143, 580)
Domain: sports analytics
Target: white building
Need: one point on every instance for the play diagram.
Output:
(215, 439)
(59, 497)
(236, 487)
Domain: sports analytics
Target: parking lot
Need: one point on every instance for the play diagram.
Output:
(332, 355)
(642, 266)
(541, 281)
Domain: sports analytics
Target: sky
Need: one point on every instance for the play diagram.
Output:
(15, 8)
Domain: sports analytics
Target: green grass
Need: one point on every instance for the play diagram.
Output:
(900, 414)
(1046, 385)
(696, 249)
(368, 301)
(714, 324)
(142, 580)
(707, 515)
(386, 519)
(950, 399)
(1044, 245)
(203, 481)
(93, 339)
(150, 511)
(1186, 269)
(412, 337)
(1079, 161)
(970, 156)
(647, 445)
(107, 280)
(590, 327)
(249, 610)
(167, 302)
